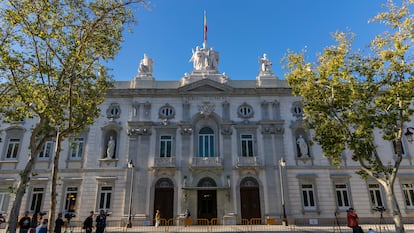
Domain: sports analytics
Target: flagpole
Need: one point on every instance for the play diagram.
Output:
(205, 31)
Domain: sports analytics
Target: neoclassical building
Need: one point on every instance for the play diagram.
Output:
(227, 150)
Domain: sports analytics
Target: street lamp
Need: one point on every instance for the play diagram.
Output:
(282, 164)
(130, 166)
(409, 135)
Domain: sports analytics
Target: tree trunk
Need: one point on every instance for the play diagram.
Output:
(53, 194)
(394, 208)
(20, 191)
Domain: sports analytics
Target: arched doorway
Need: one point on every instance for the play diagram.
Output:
(164, 198)
(207, 199)
(250, 198)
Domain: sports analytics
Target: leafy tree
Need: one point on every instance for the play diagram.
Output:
(51, 70)
(350, 96)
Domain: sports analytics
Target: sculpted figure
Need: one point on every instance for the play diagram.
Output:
(303, 146)
(145, 66)
(212, 59)
(110, 148)
(265, 64)
(198, 59)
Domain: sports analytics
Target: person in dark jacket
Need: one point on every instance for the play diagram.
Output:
(101, 222)
(88, 223)
(58, 223)
(24, 223)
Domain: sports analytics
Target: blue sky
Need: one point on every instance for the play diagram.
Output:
(241, 31)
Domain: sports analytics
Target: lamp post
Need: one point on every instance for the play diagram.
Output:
(130, 166)
(282, 164)
(409, 135)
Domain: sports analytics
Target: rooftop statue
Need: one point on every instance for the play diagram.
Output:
(204, 59)
(145, 66)
(265, 65)
(198, 59)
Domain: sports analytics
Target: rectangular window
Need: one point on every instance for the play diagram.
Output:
(4, 201)
(408, 191)
(76, 148)
(71, 196)
(105, 195)
(13, 148)
(165, 146)
(206, 145)
(37, 199)
(47, 150)
(247, 145)
(375, 195)
(342, 197)
(308, 196)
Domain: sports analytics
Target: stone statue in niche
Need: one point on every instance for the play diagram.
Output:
(110, 149)
(303, 147)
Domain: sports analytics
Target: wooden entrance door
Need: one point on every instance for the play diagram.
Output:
(207, 204)
(164, 199)
(250, 198)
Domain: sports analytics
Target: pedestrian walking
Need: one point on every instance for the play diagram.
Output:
(187, 215)
(88, 223)
(101, 222)
(24, 223)
(352, 219)
(2, 219)
(157, 218)
(59, 223)
(42, 228)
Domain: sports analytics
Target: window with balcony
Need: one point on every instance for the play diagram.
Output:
(246, 145)
(206, 142)
(165, 146)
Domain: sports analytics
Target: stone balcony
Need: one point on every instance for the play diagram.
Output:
(207, 162)
(164, 162)
(249, 162)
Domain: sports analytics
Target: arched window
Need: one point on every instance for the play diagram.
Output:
(206, 142)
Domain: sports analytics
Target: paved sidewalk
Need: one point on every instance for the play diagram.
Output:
(409, 228)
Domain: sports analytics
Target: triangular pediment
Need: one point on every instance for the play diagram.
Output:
(205, 86)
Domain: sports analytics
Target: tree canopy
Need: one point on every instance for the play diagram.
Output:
(349, 96)
(52, 55)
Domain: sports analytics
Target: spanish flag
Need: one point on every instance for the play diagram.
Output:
(205, 27)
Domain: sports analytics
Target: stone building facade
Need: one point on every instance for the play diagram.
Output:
(226, 150)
